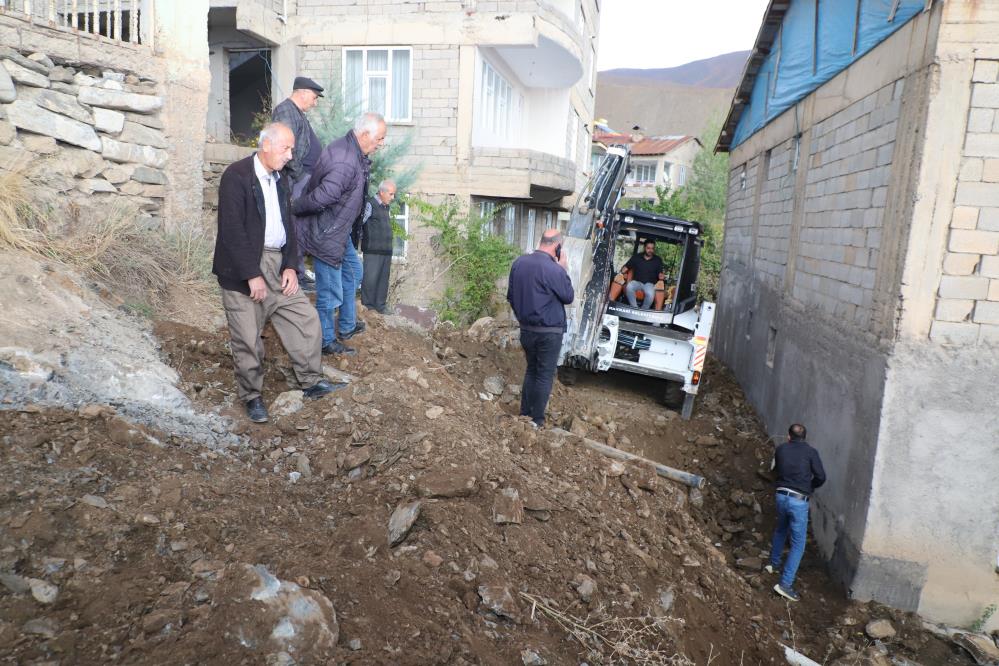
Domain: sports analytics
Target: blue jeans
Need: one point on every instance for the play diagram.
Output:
(353, 274)
(792, 520)
(541, 350)
(649, 293)
(329, 296)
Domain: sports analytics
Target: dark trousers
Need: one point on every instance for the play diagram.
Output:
(375, 284)
(541, 350)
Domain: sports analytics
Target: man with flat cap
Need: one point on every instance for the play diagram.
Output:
(291, 112)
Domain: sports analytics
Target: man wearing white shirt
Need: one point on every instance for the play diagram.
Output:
(256, 254)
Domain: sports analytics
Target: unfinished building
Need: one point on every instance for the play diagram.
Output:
(860, 284)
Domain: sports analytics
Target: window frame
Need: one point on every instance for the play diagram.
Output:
(388, 75)
(507, 97)
(402, 219)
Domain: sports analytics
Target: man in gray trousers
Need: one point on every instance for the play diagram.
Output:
(376, 244)
(305, 95)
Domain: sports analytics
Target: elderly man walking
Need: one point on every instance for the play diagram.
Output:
(255, 257)
(539, 290)
(799, 472)
(305, 95)
(376, 244)
(331, 204)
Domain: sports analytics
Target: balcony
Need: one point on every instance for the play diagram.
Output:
(521, 173)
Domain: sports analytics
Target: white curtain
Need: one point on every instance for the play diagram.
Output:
(400, 85)
(354, 82)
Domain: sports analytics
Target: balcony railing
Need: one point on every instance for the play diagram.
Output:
(117, 20)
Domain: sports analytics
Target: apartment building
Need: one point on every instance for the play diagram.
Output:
(496, 96)
(656, 161)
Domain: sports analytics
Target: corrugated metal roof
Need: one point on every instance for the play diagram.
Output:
(660, 145)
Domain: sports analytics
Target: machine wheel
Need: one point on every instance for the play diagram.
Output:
(568, 376)
(673, 395)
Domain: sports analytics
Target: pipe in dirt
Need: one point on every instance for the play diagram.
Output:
(686, 478)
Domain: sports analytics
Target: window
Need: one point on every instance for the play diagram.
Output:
(379, 80)
(532, 218)
(487, 209)
(549, 220)
(681, 176)
(593, 68)
(573, 134)
(499, 108)
(401, 245)
(644, 173)
(595, 160)
(510, 224)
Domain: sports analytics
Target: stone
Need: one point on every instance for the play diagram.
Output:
(879, 629)
(82, 79)
(508, 509)
(42, 60)
(448, 484)
(499, 600)
(40, 144)
(94, 501)
(356, 457)
(142, 135)
(8, 93)
(7, 53)
(78, 162)
(31, 117)
(92, 185)
(117, 174)
(257, 611)
(156, 177)
(41, 627)
(123, 101)
(132, 188)
(432, 559)
(696, 497)
(108, 121)
(43, 592)
(118, 151)
(354, 644)
(59, 102)
(62, 74)
(14, 583)
(25, 76)
(154, 192)
(401, 521)
(147, 519)
(479, 330)
(287, 403)
(532, 658)
(7, 133)
(303, 466)
(143, 119)
(159, 620)
(494, 385)
(578, 427)
(434, 412)
(110, 75)
(585, 586)
(666, 599)
(749, 563)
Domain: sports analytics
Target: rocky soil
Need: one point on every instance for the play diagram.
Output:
(410, 518)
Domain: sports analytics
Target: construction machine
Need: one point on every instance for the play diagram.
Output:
(668, 340)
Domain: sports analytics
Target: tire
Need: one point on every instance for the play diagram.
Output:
(568, 376)
(673, 395)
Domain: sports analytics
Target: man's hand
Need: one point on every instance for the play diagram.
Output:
(289, 282)
(563, 261)
(258, 289)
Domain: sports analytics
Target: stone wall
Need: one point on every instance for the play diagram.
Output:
(83, 134)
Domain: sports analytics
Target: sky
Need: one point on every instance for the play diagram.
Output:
(667, 33)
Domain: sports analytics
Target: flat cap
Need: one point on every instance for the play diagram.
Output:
(305, 83)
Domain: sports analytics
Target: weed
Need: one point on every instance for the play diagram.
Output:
(979, 625)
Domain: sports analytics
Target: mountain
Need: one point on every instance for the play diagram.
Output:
(721, 71)
(674, 100)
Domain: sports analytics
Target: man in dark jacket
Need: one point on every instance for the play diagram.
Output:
(304, 156)
(377, 243)
(539, 290)
(255, 257)
(799, 472)
(332, 202)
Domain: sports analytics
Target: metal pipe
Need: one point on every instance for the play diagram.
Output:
(686, 478)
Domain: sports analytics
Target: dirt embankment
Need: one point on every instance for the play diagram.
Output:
(407, 519)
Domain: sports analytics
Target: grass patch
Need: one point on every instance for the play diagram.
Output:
(108, 245)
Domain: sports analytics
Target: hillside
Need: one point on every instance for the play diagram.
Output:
(675, 100)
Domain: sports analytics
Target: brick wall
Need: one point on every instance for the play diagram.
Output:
(773, 228)
(967, 309)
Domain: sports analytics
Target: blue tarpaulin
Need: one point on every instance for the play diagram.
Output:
(817, 40)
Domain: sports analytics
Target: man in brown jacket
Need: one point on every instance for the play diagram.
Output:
(255, 258)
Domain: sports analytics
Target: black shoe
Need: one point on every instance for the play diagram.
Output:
(337, 347)
(256, 410)
(358, 329)
(787, 592)
(385, 310)
(321, 388)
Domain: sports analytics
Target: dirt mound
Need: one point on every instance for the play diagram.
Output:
(510, 545)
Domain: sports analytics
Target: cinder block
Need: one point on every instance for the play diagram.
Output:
(980, 120)
(972, 169)
(990, 171)
(988, 220)
(961, 264)
(994, 290)
(949, 309)
(975, 242)
(954, 333)
(964, 217)
(973, 287)
(986, 71)
(989, 267)
(986, 312)
(977, 194)
(985, 95)
(982, 145)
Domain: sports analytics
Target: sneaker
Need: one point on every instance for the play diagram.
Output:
(787, 593)
(321, 388)
(256, 410)
(337, 347)
(770, 569)
(358, 329)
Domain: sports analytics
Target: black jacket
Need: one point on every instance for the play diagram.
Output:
(288, 113)
(334, 199)
(239, 244)
(798, 467)
(539, 290)
(377, 237)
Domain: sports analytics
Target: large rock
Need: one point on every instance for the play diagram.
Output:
(91, 185)
(8, 93)
(448, 484)
(7, 133)
(108, 121)
(140, 134)
(118, 151)
(508, 509)
(7, 53)
(287, 403)
(58, 102)
(31, 117)
(268, 616)
(402, 521)
(879, 629)
(123, 101)
(24, 75)
(499, 600)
